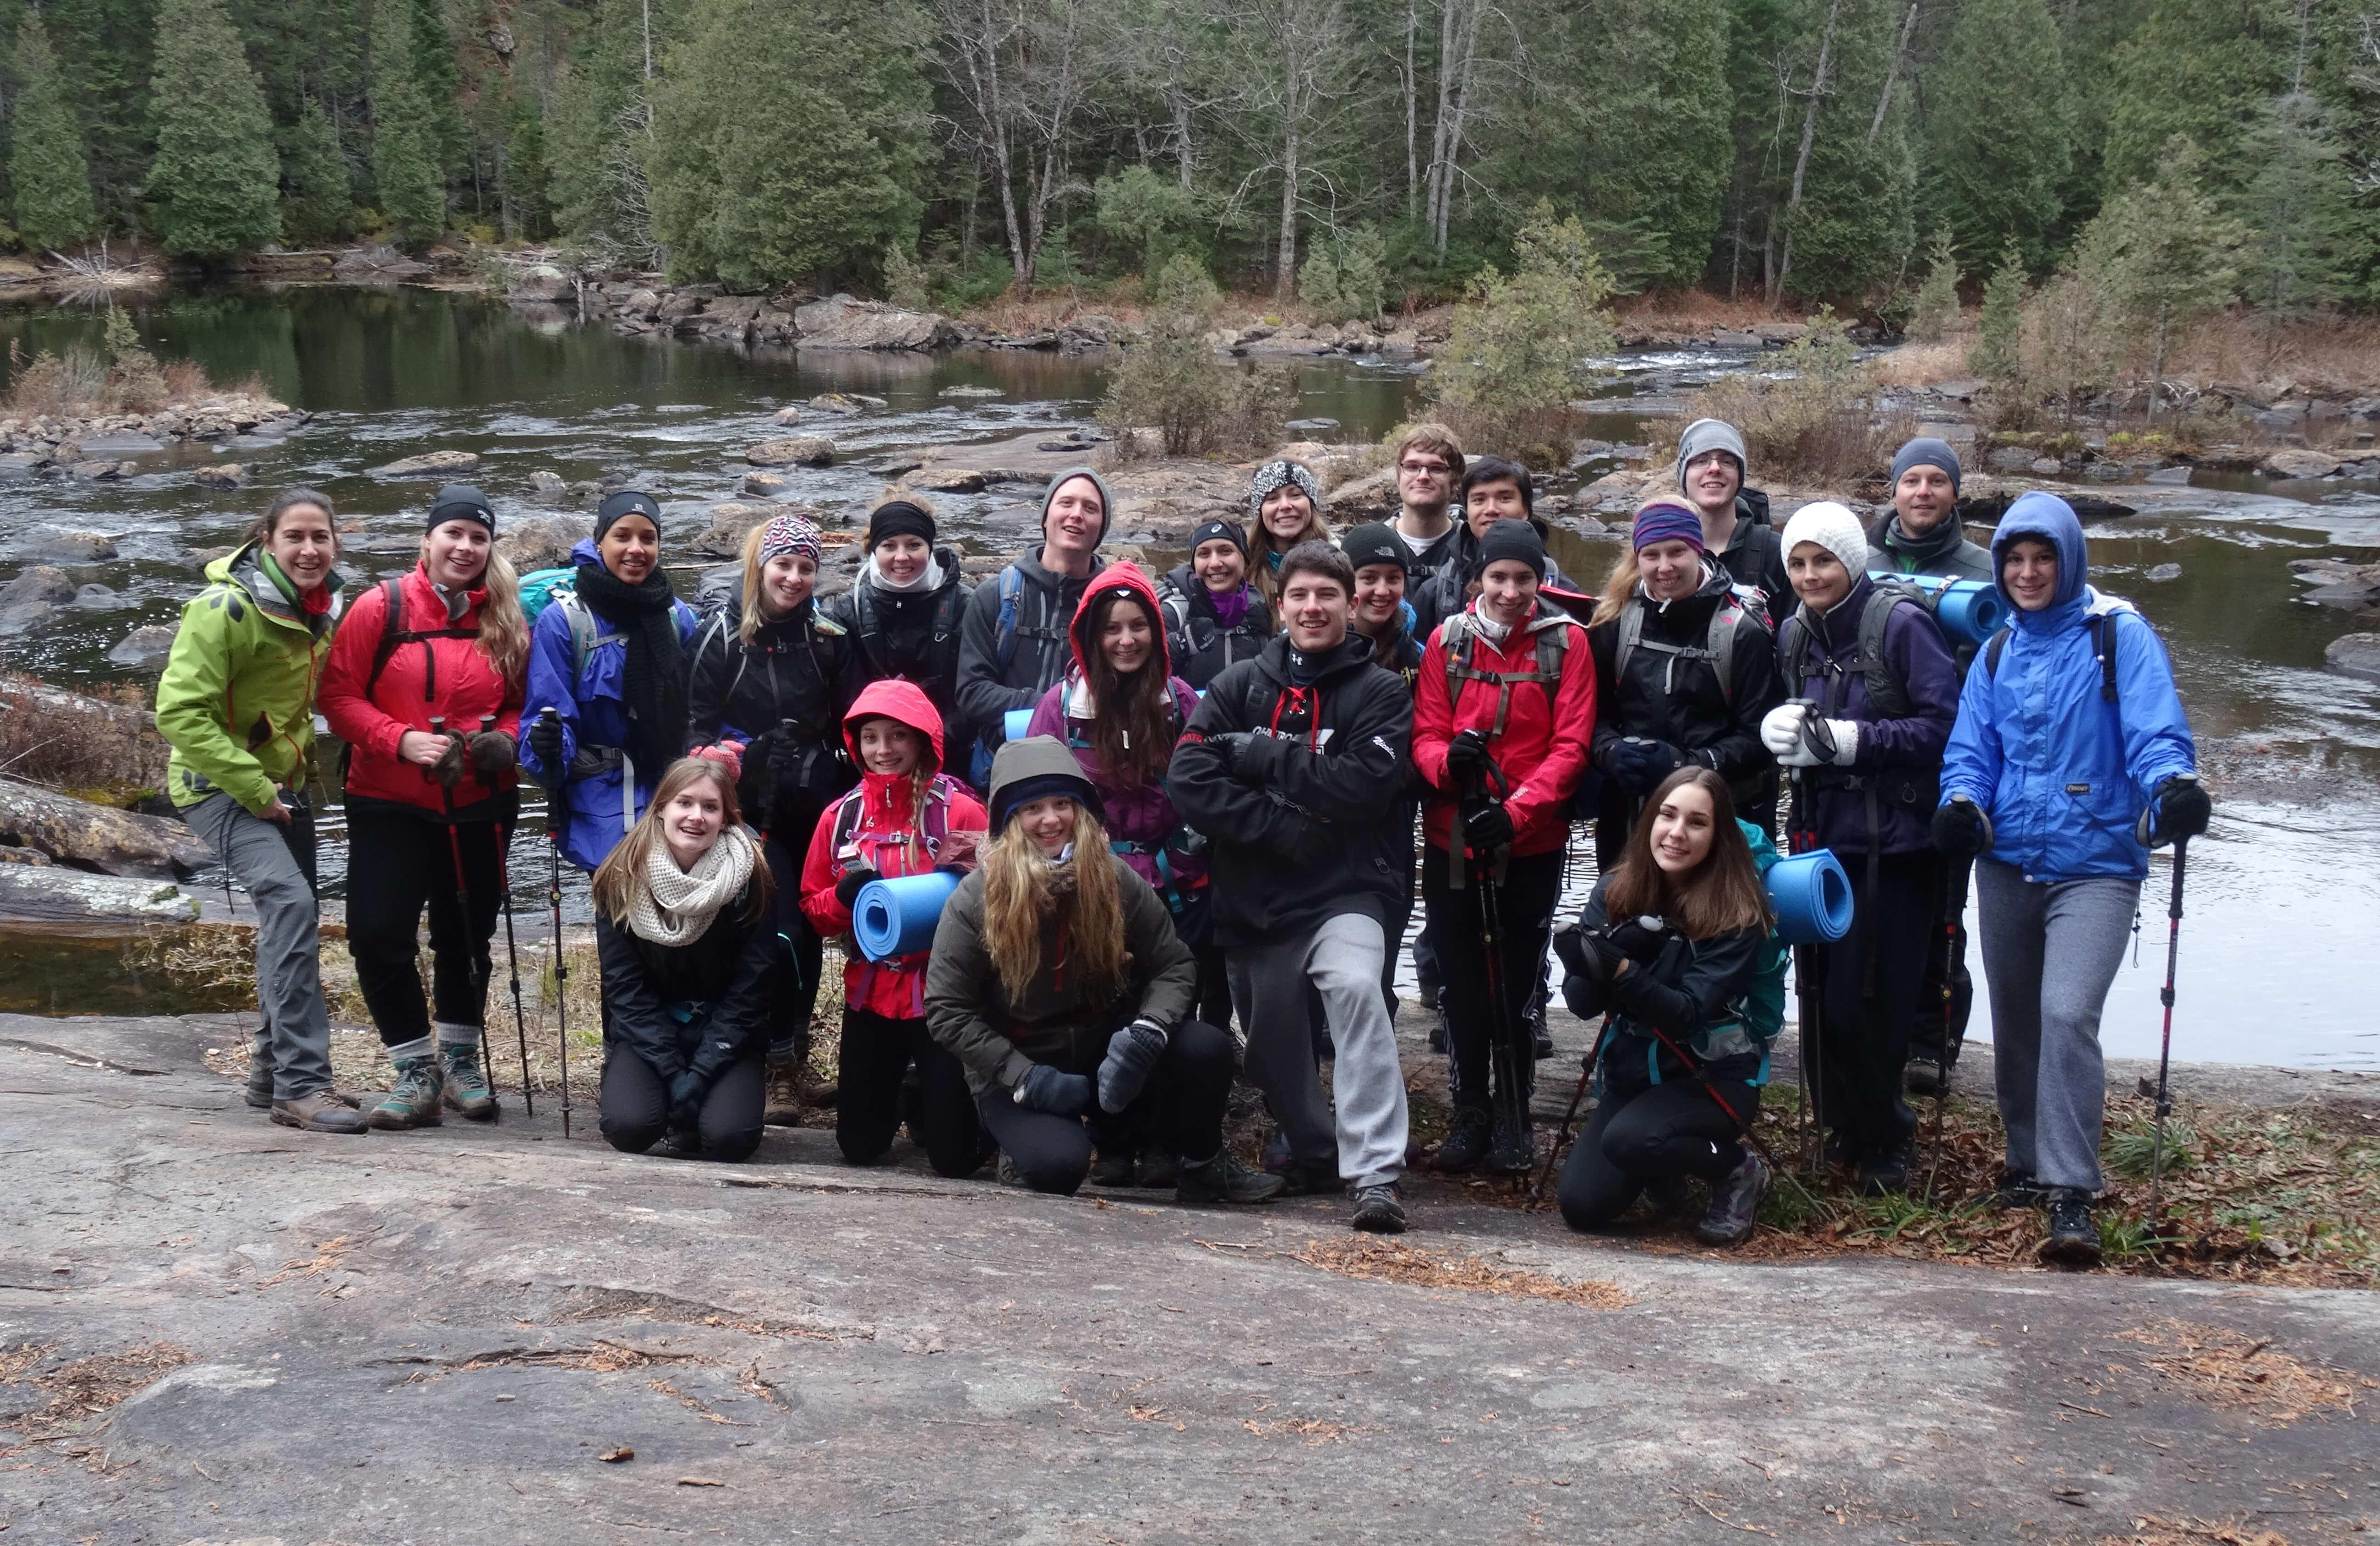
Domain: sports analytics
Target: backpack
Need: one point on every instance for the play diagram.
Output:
(1459, 637)
(2103, 645)
(937, 822)
(1003, 649)
(394, 633)
(559, 587)
(1763, 1006)
(1718, 647)
(869, 628)
(1885, 688)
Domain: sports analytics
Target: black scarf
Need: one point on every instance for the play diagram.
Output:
(653, 684)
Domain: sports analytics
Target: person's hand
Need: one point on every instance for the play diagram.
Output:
(1589, 953)
(420, 748)
(1466, 759)
(2179, 809)
(961, 853)
(1060, 1094)
(1488, 828)
(1639, 766)
(448, 769)
(685, 1093)
(1780, 732)
(545, 740)
(1230, 746)
(846, 890)
(1961, 829)
(1133, 1053)
(275, 813)
(492, 754)
(1640, 939)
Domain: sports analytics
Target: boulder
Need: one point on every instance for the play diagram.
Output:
(66, 546)
(220, 475)
(25, 856)
(843, 405)
(429, 463)
(2300, 463)
(949, 481)
(841, 322)
(545, 483)
(792, 450)
(96, 471)
(963, 390)
(2161, 574)
(375, 263)
(2010, 458)
(540, 282)
(144, 648)
(2354, 655)
(766, 485)
(2176, 475)
(99, 838)
(730, 524)
(100, 598)
(32, 596)
(533, 542)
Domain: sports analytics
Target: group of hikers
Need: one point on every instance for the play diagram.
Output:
(1212, 816)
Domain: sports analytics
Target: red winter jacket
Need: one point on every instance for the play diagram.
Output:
(1543, 749)
(445, 678)
(886, 818)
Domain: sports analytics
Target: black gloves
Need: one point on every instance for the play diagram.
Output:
(1132, 1056)
(1961, 829)
(846, 890)
(492, 754)
(448, 769)
(1639, 943)
(545, 740)
(1467, 760)
(1639, 766)
(1488, 830)
(1230, 746)
(685, 1093)
(1060, 1094)
(2179, 809)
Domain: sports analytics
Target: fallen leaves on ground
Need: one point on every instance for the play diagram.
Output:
(2149, 1531)
(615, 1456)
(605, 1356)
(2225, 1368)
(85, 1388)
(1392, 1262)
(1314, 1431)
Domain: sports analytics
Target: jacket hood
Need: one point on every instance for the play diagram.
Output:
(941, 572)
(1036, 765)
(2044, 518)
(583, 551)
(1351, 654)
(1064, 476)
(895, 699)
(244, 567)
(1115, 577)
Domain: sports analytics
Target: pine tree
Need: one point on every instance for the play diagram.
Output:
(2199, 69)
(1998, 141)
(815, 174)
(527, 212)
(601, 132)
(214, 185)
(103, 52)
(2298, 205)
(316, 203)
(1996, 353)
(45, 161)
(1853, 225)
(411, 191)
(2173, 257)
(1936, 308)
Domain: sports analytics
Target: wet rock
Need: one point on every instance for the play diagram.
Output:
(766, 485)
(2178, 477)
(53, 894)
(791, 451)
(32, 597)
(2354, 655)
(2300, 463)
(97, 838)
(377, 265)
(24, 856)
(1312, 426)
(220, 475)
(545, 483)
(55, 546)
(102, 472)
(121, 441)
(964, 390)
(144, 648)
(22, 463)
(841, 322)
(100, 598)
(2047, 466)
(846, 403)
(540, 282)
(428, 463)
(533, 542)
(730, 524)
(2163, 572)
(949, 481)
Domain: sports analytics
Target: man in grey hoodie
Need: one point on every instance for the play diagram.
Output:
(1013, 645)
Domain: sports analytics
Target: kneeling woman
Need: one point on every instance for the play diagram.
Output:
(1057, 979)
(1685, 1049)
(691, 961)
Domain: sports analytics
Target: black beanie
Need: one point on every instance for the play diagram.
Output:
(627, 501)
(1514, 540)
(898, 518)
(1219, 531)
(1373, 542)
(461, 502)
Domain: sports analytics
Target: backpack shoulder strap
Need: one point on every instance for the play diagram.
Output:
(392, 630)
(2103, 640)
(1011, 588)
(1723, 622)
(1993, 651)
(1553, 649)
(1632, 629)
(1885, 688)
(585, 634)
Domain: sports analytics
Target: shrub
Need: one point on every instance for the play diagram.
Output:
(1936, 311)
(1809, 414)
(136, 382)
(1345, 280)
(904, 279)
(1170, 377)
(57, 383)
(1522, 345)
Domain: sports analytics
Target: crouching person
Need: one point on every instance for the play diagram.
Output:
(690, 954)
(1058, 981)
(1676, 950)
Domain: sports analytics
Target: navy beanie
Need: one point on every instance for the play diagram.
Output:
(1927, 452)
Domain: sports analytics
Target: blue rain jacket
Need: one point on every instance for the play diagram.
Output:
(593, 717)
(2063, 773)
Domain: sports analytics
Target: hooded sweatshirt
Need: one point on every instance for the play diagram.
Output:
(999, 670)
(1542, 746)
(882, 817)
(1140, 820)
(2064, 774)
(236, 700)
(1945, 551)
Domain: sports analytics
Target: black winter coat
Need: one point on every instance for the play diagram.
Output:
(1300, 828)
(911, 635)
(1664, 697)
(1692, 991)
(1755, 555)
(727, 978)
(1447, 591)
(1199, 645)
(797, 669)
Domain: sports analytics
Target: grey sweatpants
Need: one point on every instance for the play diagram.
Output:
(2050, 954)
(1342, 960)
(297, 1033)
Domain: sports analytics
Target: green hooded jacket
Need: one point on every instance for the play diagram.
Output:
(237, 701)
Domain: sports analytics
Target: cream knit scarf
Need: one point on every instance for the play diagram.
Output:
(675, 906)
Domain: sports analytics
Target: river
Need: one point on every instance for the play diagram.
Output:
(2284, 893)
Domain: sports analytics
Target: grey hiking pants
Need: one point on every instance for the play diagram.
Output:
(1340, 959)
(2050, 954)
(296, 1036)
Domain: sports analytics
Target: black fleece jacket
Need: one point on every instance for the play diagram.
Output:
(728, 976)
(1663, 697)
(1682, 988)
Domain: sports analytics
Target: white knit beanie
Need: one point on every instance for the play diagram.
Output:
(1832, 527)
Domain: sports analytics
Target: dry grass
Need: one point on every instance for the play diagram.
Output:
(102, 747)
(1922, 365)
(1697, 311)
(2226, 1369)
(2333, 355)
(1393, 1262)
(84, 1389)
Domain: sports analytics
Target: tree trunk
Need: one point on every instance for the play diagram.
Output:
(1455, 132)
(1284, 284)
(2157, 368)
(1809, 137)
(1438, 152)
(1892, 74)
(1412, 163)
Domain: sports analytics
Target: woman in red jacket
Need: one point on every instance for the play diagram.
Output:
(907, 816)
(1503, 713)
(430, 811)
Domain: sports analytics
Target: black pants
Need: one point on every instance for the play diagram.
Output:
(790, 1012)
(1181, 1112)
(1874, 977)
(876, 1054)
(1488, 1002)
(634, 1107)
(397, 864)
(1670, 1129)
(1950, 917)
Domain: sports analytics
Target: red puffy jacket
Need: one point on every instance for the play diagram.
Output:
(1543, 746)
(443, 677)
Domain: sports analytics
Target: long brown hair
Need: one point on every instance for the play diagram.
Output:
(503, 627)
(1262, 545)
(1131, 717)
(624, 872)
(1720, 895)
(1024, 892)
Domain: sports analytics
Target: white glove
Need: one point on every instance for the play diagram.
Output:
(1842, 734)
(1780, 732)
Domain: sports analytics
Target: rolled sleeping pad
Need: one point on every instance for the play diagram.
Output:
(1812, 896)
(1970, 611)
(1016, 724)
(896, 917)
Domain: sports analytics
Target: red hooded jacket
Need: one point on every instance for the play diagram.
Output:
(441, 678)
(884, 814)
(1543, 748)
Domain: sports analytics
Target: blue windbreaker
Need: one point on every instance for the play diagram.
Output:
(593, 716)
(2064, 774)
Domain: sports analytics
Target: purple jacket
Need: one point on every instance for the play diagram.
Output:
(1140, 818)
(1915, 649)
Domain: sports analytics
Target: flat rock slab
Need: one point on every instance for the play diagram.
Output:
(429, 463)
(2354, 655)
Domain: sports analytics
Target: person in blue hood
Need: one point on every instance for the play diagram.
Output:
(2071, 759)
(609, 657)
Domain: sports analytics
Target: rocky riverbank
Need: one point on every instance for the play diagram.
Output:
(94, 446)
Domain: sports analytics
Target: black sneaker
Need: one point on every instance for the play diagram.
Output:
(1466, 1141)
(2073, 1233)
(1922, 1078)
(1111, 1170)
(1379, 1210)
(1225, 1179)
(1514, 1149)
(2016, 1190)
(259, 1085)
(1308, 1178)
(1158, 1171)
(1886, 1172)
(1440, 1033)
(1537, 1031)
(1735, 1203)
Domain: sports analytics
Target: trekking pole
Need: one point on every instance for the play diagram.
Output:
(1809, 980)
(2165, 1051)
(1757, 1142)
(463, 907)
(557, 818)
(1562, 1134)
(511, 947)
(1954, 902)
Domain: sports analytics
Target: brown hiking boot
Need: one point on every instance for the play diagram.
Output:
(782, 1099)
(816, 1092)
(319, 1112)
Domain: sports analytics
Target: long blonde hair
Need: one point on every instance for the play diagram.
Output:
(1023, 891)
(504, 629)
(748, 627)
(624, 873)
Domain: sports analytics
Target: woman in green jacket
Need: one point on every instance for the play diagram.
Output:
(237, 703)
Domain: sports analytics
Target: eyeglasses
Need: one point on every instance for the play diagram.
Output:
(1421, 467)
(1711, 459)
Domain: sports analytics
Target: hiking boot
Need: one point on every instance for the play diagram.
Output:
(1886, 1172)
(1466, 1141)
(1379, 1210)
(320, 1112)
(1440, 1034)
(1225, 1179)
(816, 1091)
(2016, 1190)
(1663, 1193)
(1514, 1149)
(1111, 1170)
(1308, 1178)
(1157, 1172)
(780, 1101)
(260, 1084)
(2073, 1233)
(1008, 1173)
(1542, 1038)
(466, 1081)
(413, 1101)
(1735, 1203)
(1922, 1078)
